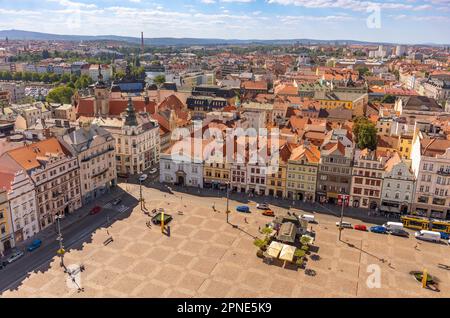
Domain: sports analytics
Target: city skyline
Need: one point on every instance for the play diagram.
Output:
(237, 19)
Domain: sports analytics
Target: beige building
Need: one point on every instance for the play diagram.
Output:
(137, 138)
(55, 174)
(6, 236)
(302, 170)
(367, 179)
(94, 147)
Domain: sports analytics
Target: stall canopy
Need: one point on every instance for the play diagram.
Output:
(287, 253)
(274, 249)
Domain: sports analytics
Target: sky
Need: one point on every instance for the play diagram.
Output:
(396, 21)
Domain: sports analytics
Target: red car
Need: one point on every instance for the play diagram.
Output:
(361, 227)
(95, 210)
(268, 213)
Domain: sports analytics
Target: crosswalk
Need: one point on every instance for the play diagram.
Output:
(120, 208)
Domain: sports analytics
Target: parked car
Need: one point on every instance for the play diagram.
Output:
(35, 245)
(308, 218)
(3, 264)
(399, 232)
(262, 206)
(268, 213)
(428, 236)
(378, 229)
(14, 256)
(390, 226)
(243, 209)
(95, 210)
(143, 177)
(153, 171)
(361, 227)
(117, 201)
(344, 225)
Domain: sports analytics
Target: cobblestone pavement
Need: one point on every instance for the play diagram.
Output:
(206, 257)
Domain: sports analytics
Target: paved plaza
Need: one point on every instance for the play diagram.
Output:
(206, 257)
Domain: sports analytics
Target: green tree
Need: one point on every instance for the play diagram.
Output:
(159, 79)
(83, 82)
(61, 95)
(363, 71)
(365, 133)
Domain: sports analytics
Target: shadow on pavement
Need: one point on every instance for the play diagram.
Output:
(14, 274)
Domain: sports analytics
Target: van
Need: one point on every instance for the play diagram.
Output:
(428, 236)
(391, 226)
(309, 218)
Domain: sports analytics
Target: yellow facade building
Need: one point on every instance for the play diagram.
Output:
(6, 236)
(302, 169)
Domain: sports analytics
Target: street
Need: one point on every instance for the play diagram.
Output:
(74, 236)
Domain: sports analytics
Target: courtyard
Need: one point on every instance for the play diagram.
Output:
(205, 256)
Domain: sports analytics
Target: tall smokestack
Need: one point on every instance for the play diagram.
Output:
(142, 42)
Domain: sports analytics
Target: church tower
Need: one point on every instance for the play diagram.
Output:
(101, 103)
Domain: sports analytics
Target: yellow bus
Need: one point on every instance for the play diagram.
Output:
(422, 223)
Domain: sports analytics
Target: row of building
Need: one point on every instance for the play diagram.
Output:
(56, 176)
(377, 180)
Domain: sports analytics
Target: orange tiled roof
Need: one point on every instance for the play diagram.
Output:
(29, 156)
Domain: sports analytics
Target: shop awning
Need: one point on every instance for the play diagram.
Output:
(287, 253)
(274, 249)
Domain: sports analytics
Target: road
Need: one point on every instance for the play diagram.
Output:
(74, 234)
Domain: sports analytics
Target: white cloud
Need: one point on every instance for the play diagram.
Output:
(354, 5)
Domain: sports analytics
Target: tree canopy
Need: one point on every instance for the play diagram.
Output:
(159, 79)
(61, 95)
(365, 133)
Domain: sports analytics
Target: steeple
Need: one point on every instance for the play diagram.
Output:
(100, 75)
(100, 83)
(130, 116)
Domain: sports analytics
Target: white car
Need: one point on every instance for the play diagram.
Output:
(153, 171)
(143, 177)
(345, 225)
(262, 206)
(15, 256)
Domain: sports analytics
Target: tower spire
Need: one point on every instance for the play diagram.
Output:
(130, 116)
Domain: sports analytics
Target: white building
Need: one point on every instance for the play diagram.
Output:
(21, 194)
(106, 72)
(94, 147)
(398, 186)
(182, 164)
(431, 166)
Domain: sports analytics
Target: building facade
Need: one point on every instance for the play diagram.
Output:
(302, 171)
(367, 179)
(55, 173)
(94, 147)
(398, 186)
(6, 235)
(431, 166)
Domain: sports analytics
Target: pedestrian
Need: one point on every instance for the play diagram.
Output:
(245, 219)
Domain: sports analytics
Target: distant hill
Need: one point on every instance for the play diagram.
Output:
(29, 35)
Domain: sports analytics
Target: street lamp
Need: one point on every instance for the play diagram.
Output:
(140, 193)
(227, 212)
(59, 238)
(344, 198)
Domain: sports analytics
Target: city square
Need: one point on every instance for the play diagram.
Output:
(204, 256)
